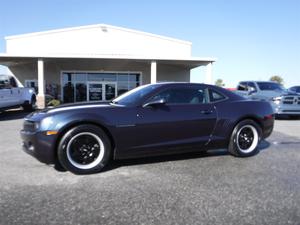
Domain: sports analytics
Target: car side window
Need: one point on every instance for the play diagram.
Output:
(12, 82)
(4, 82)
(182, 96)
(215, 96)
(242, 86)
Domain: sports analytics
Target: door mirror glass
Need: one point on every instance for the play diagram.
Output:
(155, 102)
(251, 90)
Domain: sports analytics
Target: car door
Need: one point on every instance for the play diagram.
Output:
(185, 120)
(16, 95)
(5, 92)
(4, 97)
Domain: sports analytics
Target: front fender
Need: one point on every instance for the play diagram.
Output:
(27, 94)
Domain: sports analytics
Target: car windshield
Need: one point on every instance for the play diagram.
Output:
(133, 96)
(295, 89)
(270, 86)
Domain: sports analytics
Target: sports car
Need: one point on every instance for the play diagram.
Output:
(150, 120)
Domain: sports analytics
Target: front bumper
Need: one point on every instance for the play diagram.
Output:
(286, 105)
(286, 109)
(39, 145)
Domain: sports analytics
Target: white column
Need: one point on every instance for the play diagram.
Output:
(41, 85)
(208, 75)
(153, 72)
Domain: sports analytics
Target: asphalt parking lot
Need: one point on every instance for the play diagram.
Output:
(202, 188)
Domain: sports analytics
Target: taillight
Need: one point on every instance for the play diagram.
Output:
(268, 117)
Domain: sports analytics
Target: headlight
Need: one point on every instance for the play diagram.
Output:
(46, 123)
(36, 125)
(277, 100)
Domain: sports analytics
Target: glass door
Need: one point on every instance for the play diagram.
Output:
(101, 91)
(95, 91)
(110, 91)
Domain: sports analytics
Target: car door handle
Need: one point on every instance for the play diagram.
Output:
(206, 111)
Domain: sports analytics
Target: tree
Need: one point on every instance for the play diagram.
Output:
(219, 82)
(277, 79)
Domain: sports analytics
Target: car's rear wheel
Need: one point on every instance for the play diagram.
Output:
(245, 139)
(84, 149)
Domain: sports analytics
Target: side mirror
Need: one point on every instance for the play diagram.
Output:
(251, 90)
(156, 102)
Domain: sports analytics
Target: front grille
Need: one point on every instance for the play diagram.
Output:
(290, 100)
(291, 111)
(28, 125)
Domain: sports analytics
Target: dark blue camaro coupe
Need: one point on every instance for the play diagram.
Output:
(155, 119)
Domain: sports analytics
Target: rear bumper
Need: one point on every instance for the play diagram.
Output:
(39, 145)
(268, 126)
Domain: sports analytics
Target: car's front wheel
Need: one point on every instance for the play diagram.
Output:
(28, 107)
(245, 139)
(84, 149)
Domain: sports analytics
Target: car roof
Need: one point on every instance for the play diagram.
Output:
(224, 91)
(258, 81)
(168, 83)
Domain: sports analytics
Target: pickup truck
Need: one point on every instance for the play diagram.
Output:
(284, 102)
(12, 95)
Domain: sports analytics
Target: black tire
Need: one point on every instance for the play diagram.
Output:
(245, 138)
(84, 149)
(29, 107)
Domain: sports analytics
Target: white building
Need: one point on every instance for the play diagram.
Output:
(97, 62)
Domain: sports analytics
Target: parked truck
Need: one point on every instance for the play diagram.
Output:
(13, 95)
(284, 102)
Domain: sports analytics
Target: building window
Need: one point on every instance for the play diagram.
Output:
(78, 86)
(68, 92)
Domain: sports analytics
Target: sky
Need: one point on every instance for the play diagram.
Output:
(251, 40)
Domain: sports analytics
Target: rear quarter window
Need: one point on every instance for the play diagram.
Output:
(215, 96)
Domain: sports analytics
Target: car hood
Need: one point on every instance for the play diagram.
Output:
(40, 114)
(278, 93)
(81, 106)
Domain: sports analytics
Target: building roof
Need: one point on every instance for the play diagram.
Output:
(103, 27)
(106, 43)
